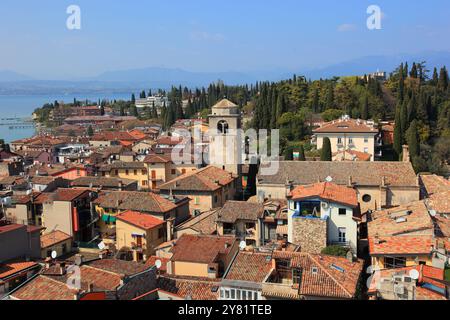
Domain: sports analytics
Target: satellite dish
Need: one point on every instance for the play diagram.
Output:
(158, 264)
(54, 254)
(414, 274)
(242, 245)
(101, 245)
(329, 179)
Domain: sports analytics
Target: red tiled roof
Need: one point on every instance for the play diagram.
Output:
(201, 248)
(151, 262)
(412, 245)
(195, 289)
(414, 218)
(53, 238)
(350, 126)
(139, 219)
(434, 184)
(328, 281)
(10, 227)
(207, 179)
(327, 191)
(361, 156)
(252, 267)
(155, 158)
(10, 268)
(44, 288)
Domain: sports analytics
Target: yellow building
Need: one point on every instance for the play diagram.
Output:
(349, 134)
(136, 171)
(208, 188)
(139, 234)
(109, 204)
(401, 237)
(57, 241)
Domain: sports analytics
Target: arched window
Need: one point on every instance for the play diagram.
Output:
(222, 127)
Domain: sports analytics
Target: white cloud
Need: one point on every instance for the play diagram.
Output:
(346, 27)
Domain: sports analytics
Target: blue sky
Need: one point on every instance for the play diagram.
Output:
(206, 35)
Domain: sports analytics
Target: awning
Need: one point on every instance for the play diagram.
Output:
(106, 217)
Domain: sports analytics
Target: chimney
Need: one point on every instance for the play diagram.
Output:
(169, 229)
(406, 155)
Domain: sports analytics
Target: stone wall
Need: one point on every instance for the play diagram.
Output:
(310, 234)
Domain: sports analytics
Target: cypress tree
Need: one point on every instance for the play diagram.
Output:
(412, 137)
(301, 152)
(326, 150)
(133, 99)
(90, 131)
(398, 138)
(365, 108)
(435, 78)
(443, 79)
(413, 73)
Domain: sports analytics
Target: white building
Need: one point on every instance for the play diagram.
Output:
(321, 215)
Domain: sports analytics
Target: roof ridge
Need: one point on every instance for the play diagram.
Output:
(329, 274)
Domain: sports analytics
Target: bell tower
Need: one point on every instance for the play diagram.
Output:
(225, 148)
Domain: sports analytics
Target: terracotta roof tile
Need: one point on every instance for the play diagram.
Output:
(346, 126)
(413, 245)
(207, 179)
(52, 238)
(361, 173)
(201, 248)
(44, 288)
(139, 219)
(10, 268)
(136, 201)
(252, 267)
(233, 211)
(195, 289)
(434, 184)
(326, 191)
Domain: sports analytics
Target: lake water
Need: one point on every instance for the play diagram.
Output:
(20, 106)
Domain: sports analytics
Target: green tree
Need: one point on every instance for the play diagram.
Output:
(326, 150)
(365, 108)
(90, 131)
(301, 151)
(412, 138)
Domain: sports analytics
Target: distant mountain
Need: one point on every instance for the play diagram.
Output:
(169, 77)
(371, 64)
(11, 76)
(135, 80)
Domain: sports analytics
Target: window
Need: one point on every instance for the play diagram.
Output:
(314, 270)
(366, 150)
(296, 275)
(127, 172)
(394, 262)
(216, 199)
(339, 140)
(238, 294)
(144, 182)
(342, 211)
(135, 172)
(233, 294)
(64, 248)
(244, 295)
(227, 294)
(173, 171)
(366, 198)
(49, 253)
(197, 200)
(255, 295)
(160, 233)
(144, 172)
(342, 235)
(116, 172)
(366, 140)
(221, 293)
(350, 140)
